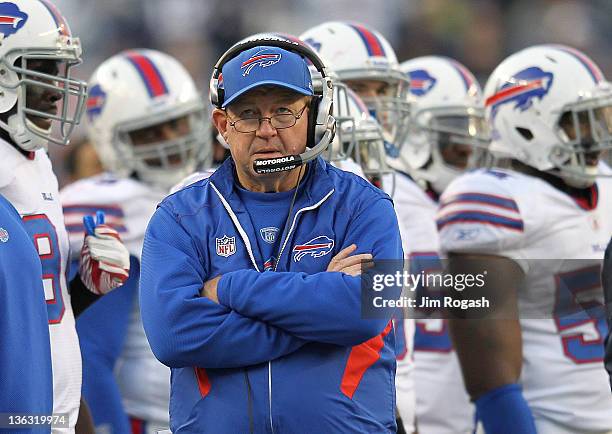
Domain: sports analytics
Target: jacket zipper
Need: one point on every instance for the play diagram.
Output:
(247, 243)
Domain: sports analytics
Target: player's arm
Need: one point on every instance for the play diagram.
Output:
(326, 306)
(84, 423)
(80, 297)
(490, 348)
(102, 330)
(481, 227)
(185, 329)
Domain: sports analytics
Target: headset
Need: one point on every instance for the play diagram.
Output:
(321, 123)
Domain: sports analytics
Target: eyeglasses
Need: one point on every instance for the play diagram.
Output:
(279, 122)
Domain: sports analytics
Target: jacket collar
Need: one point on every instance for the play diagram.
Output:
(317, 184)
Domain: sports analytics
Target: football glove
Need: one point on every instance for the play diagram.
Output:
(105, 261)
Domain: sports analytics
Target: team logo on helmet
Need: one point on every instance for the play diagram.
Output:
(421, 82)
(319, 246)
(261, 58)
(521, 89)
(11, 19)
(313, 43)
(95, 102)
(226, 246)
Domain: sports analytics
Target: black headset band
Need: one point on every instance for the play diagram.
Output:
(270, 41)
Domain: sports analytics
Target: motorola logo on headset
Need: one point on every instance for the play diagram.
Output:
(279, 160)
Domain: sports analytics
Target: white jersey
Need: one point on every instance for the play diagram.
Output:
(128, 205)
(442, 404)
(349, 165)
(191, 179)
(524, 218)
(31, 186)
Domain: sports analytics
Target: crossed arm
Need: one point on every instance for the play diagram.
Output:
(254, 317)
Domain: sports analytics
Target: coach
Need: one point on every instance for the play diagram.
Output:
(250, 287)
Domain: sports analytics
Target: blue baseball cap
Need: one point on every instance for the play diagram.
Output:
(264, 65)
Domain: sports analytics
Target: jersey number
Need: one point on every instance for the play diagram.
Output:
(580, 314)
(44, 235)
(431, 334)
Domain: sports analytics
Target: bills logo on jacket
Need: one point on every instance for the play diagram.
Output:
(421, 82)
(319, 246)
(521, 89)
(11, 19)
(226, 246)
(261, 58)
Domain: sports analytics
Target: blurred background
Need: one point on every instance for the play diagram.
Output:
(479, 33)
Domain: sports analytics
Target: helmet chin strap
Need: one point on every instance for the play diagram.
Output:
(22, 134)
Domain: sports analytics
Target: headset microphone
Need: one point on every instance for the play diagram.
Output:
(290, 162)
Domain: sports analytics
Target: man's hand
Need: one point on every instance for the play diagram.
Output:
(105, 261)
(350, 264)
(210, 289)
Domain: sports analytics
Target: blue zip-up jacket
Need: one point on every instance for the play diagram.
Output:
(285, 351)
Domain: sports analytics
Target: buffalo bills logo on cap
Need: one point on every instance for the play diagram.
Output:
(95, 102)
(521, 89)
(11, 19)
(319, 246)
(263, 58)
(421, 82)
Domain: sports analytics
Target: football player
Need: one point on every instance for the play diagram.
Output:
(538, 367)
(365, 61)
(358, 146)
(148, 124)
(446, 137)
(36, 89)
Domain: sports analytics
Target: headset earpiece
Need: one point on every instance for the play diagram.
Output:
(312, 121)
(214, 91)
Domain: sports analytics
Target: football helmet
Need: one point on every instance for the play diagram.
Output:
(358, 135)
(550, 107)
(448, 132)
(356, 53)
(37, 52)
(136, 93)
